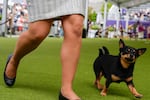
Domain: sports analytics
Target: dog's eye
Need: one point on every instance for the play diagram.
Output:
(133, 51)
(127, 51)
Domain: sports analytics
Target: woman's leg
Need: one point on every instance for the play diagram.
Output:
(70, 52)
(27, 42)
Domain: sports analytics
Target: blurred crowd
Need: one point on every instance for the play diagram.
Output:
(18, 21)
(136, 30)
(18, 18)
(141, 14)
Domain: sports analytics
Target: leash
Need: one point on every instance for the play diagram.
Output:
(5, 22)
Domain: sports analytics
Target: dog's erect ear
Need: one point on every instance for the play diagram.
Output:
(121, 43)
(141, 51)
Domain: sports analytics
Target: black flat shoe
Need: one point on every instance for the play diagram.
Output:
(8, 81)
(61, 97)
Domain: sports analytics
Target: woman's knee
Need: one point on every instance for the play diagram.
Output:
(38, 31)
(76, 23)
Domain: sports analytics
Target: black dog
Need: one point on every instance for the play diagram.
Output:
(117, 68)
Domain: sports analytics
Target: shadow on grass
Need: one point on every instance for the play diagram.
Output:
(38, 88)
(121, 92)
(115, 93)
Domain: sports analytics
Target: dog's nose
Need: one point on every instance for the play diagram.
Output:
(132, 56)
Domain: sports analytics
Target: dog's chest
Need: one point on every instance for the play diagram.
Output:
(119, 74)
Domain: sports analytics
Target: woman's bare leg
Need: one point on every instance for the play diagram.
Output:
(26, 43)
(70, 52)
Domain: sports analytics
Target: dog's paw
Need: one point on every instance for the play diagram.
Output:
(138, 95)
(103, 93)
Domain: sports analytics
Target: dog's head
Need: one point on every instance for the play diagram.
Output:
(129, 54)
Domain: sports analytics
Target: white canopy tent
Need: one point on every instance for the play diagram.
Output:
(129, 3)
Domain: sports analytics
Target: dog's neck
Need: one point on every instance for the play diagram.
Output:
(124, 64)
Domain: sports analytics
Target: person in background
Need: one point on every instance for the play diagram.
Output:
(135, 30)
(42, 13)
(20, 23)
(141, 30)
(148, 32)
(121, 31)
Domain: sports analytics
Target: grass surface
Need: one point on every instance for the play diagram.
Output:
(39, 74)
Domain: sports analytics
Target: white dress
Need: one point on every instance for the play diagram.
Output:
(48, 9)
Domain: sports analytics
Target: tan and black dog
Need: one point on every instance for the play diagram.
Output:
(117, 68)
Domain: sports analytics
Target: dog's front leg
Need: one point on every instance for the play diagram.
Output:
(133, 90)
(105, 89)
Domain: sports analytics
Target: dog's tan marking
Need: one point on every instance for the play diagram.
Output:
(97, 82)
(129, 79)
(104, 91)
(124, 64)
(115, 78)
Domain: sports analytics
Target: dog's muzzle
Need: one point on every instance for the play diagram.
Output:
(131, 60)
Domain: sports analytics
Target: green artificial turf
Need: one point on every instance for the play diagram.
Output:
(39, 73)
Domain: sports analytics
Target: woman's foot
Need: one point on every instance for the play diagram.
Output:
(9, 73)
(68, 95)
(61, 97)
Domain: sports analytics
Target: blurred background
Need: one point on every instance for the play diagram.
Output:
(104, 19)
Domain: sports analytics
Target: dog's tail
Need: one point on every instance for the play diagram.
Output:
(103, 51)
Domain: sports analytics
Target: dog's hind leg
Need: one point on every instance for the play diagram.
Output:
(105, 89)
(97, 81)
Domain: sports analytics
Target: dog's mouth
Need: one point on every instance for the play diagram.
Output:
(129, 59)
